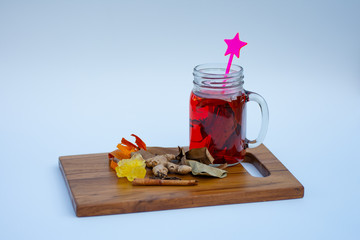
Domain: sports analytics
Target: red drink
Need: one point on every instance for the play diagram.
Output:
(218, 112)
(219, 125)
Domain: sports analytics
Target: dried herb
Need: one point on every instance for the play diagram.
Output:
(201, 155)
(206, 170)
(182, 156)
(145, 154)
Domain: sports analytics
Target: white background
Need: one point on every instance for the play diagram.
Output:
(77, 76)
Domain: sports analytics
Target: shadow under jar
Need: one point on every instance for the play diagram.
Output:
(218, 113)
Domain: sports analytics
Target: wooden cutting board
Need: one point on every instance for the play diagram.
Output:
(95, 189)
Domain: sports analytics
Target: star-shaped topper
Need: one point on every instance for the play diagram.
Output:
(234, 46)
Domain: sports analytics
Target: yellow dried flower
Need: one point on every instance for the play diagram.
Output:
(131, 168)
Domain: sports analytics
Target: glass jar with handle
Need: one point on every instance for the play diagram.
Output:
(218, 113)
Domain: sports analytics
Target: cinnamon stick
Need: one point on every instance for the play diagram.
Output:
(162, 182)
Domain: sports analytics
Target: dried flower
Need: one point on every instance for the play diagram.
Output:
(131, 168)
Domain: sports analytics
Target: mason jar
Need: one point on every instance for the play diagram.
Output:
(218, 113)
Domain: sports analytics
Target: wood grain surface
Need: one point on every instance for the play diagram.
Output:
(95, 189)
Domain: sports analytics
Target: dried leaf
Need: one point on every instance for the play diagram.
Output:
(181, 156)
(206, 170)
(144, 154)
(201, 155)
(183, 161)
(181, 153)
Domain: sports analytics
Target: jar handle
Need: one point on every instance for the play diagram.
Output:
(251, 96)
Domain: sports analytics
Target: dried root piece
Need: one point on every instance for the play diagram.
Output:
(160, 159)
(169, 157)
(161, 164)
(172, 167)
(160, 171)
(180, 169)
(157, 160)
(184, 169)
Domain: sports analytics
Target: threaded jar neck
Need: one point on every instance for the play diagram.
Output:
(212, 75)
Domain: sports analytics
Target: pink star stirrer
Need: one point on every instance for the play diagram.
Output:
(234, 46)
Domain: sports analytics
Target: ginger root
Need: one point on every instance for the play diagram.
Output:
(160, 171)
(180, 169)
(161, 165)
(184, 169)
(159, 159)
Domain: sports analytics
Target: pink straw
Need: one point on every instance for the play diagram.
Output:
(234, 46)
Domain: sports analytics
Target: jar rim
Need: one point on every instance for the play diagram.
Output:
(217, 71)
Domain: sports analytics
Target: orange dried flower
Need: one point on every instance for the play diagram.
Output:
(125, 148)
(113, 164)
(128, 144)
(139, 142)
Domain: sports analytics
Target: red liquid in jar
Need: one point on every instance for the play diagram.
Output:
(219, 125)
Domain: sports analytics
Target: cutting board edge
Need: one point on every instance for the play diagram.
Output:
(72, 198)
(89, 210)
